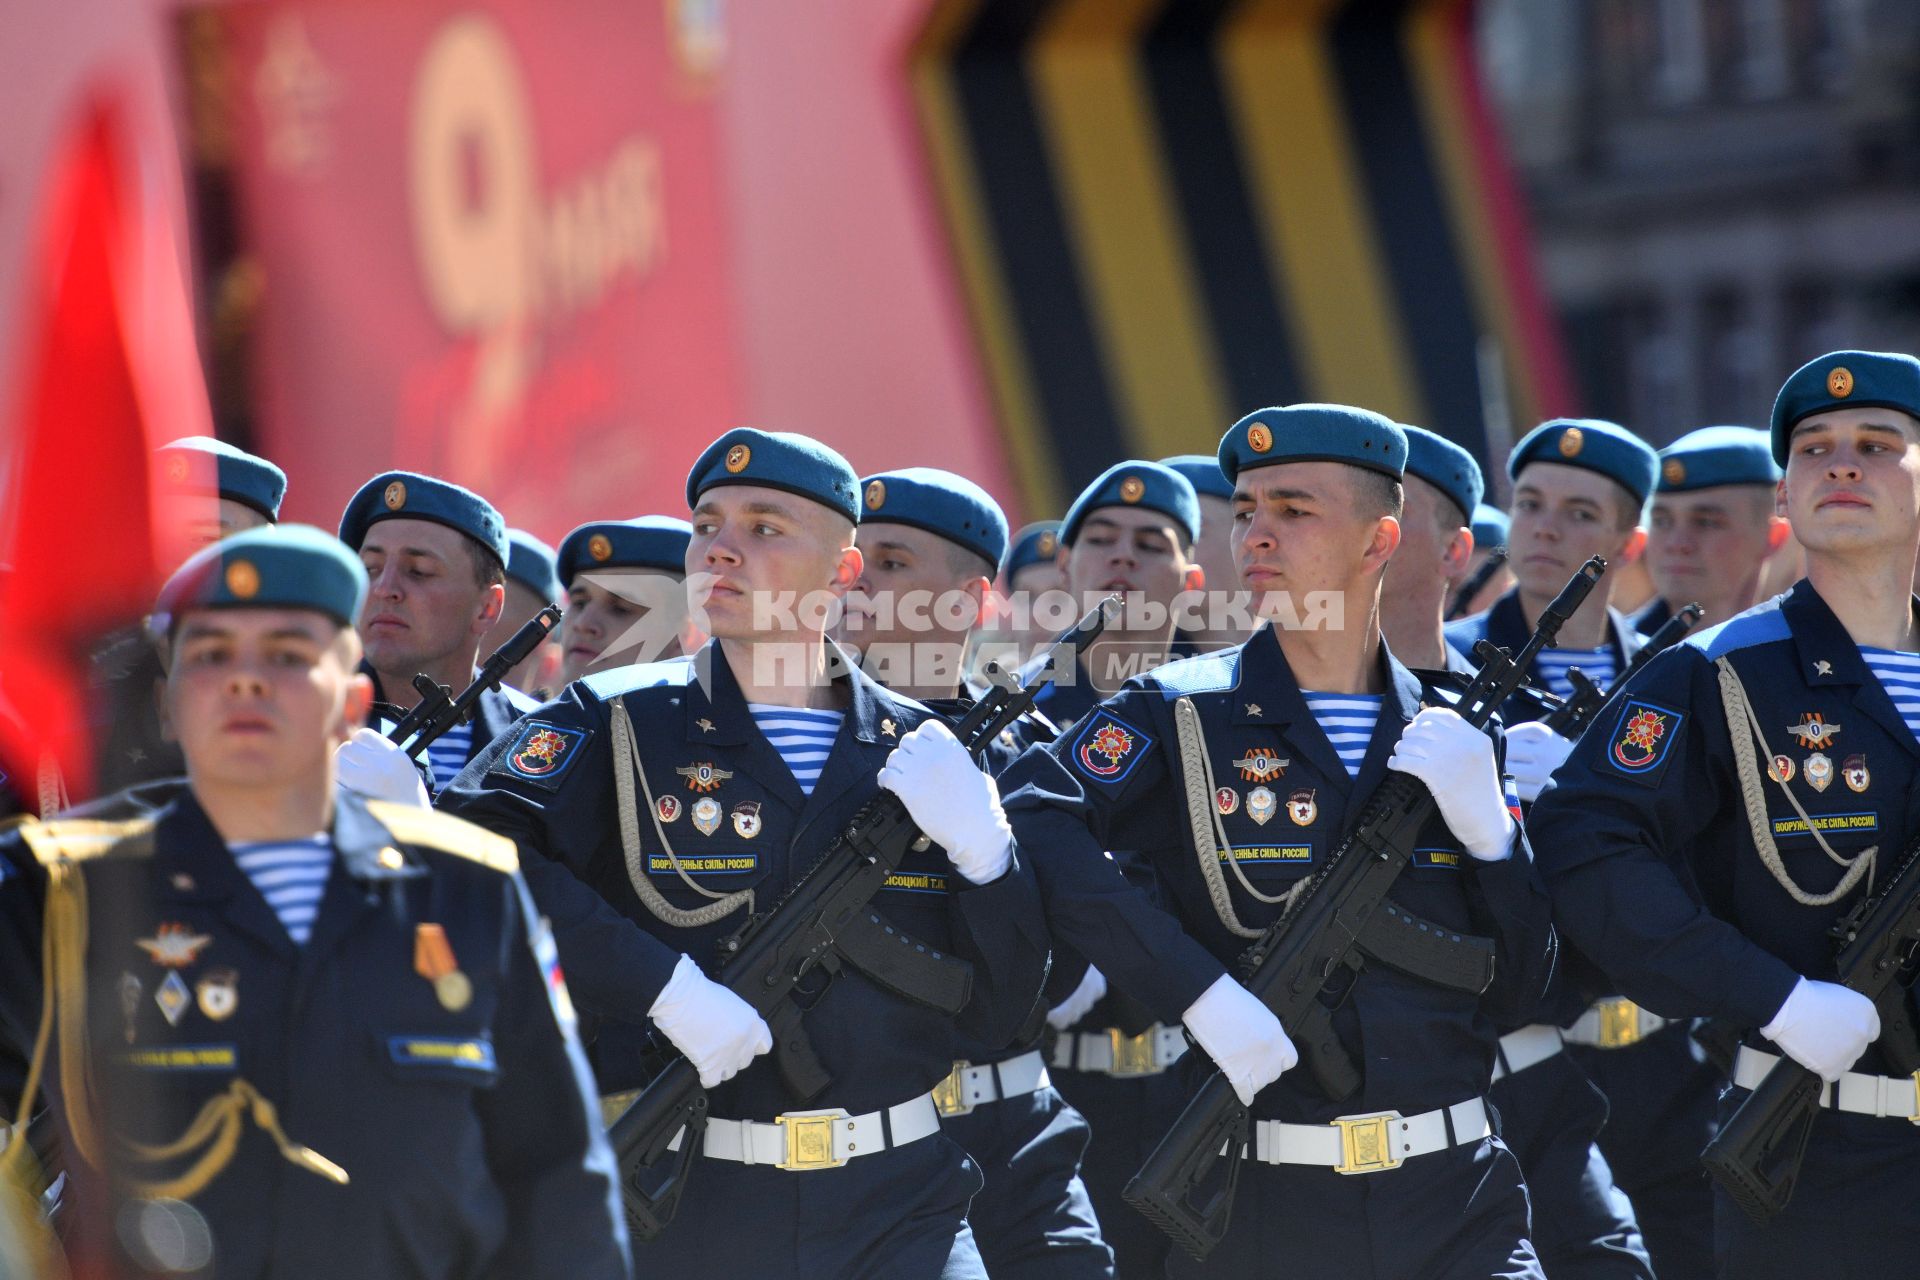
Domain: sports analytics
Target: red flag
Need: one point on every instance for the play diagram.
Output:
(110, 372)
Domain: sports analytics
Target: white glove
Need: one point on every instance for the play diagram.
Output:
(1455, 760)
(951, 800)
(1075, 1006)
(371, 765)
(1241, 1035)
(717, 1030)
(1824, 1027)
(1533, 753)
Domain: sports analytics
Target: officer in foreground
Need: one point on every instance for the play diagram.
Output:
(1741, 794)
(1713, 527)
(1234, 776)
(930, 543)
(626, 594)
(337, 1030)
(685, 794)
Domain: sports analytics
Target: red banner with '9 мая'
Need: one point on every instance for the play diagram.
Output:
(481, 241)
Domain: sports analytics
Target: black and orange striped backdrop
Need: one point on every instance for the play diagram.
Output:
(1167, 212)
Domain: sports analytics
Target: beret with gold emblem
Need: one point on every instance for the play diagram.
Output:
(407, 495)
(1713, 456)
(1490, 527)
(1203, 472)
(530, 563)
(201, 464)
(942, 503)
(777, 460)
(1592, 444)
(1036, 543)
(1845, 380)
(1147, 485)
(289, 566)
(1314, 433)
(1446, 466)
(649, 542)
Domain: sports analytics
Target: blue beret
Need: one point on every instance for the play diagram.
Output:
(942, 503)
(1446, 466)
(650, 542)
(1036, 543)
(1715, 456)
(779, 460)
(1202, 471)
(291, 566)
(201, 462)
(406, 495)
(1593, 445)
(1490, 527)
(1845, 380)
(530, 563)
(1136, 484)
(1313, 433)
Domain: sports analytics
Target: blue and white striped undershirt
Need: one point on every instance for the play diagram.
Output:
(802, 735)
(1553, 665)
(291, 875)
(447, 755)
(1347, 719)
(1899, 675)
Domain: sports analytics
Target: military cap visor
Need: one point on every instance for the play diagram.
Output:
(650, 542)
(1141, 486)
(782, 460)
(407, 495)
(941, 503)
(1844, 380)
(294, 566)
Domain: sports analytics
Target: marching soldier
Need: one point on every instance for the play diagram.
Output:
(436, 558)
(930, 544)
(1713, 527)
(532, 584)
(1442, 486)
(335, 1028)
(1232, 776)
(1579, 487)
(1741, 795)
(686, 794)
(626, 594)
(1212, 551)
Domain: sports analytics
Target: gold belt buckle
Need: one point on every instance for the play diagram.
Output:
(810, 1141)
(1133, 1055)
(949, 1097)
(1366, 1144)
(1619, 1023)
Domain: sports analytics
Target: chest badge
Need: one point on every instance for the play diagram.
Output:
(1253, 709)
(218, 994)
(668, 808)
(1227, 801)
(1261, 805)
(1853, 772)
(1819, 771)
(1821, 667)
(888, 728)
(1302, 809)
(1782, 769)
(705, 725)
(1813, 732)
(174, 946)
(172, 998)
(706, 815)
(703, 777)
(433, 959)
(746, 819)
(1261, 765)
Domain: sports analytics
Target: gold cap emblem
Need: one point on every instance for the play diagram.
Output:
(876, 494)
(600, 547)
(1131, 489)
(1570, 442)
(737, 459)
(1840, 383)
(1674, 471)
(1259, 437)
(395, 496)
(1049, 543)
(243, 580)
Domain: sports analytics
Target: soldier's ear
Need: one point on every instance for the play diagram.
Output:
(1778, 531)
(1196, 579)
(847, 572)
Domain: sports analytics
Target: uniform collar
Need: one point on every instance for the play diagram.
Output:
(1268, 694)
(1829, 658)
(1507, 627)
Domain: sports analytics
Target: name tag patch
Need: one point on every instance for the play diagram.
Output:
(917, 882)
(439, 1051)
(1447, 859)
(183, 1057)
(1824, 822)
(1256, 853)
(718, 864)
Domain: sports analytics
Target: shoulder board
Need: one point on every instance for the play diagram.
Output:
(1762, 624)
(606, 685)
(448, 834)
(1201, 673)
(86, 840)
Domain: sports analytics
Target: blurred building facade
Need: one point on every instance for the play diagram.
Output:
(1721, 189)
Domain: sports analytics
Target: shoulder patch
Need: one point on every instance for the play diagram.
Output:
(83, 839)
(435, 830)
(1107, 748)
(542, 752)
(1642, 739)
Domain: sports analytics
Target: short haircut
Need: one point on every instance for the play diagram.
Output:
(1449, 516)
(487, 569)
(969, 564)
(1629, 510)
(1378, 493)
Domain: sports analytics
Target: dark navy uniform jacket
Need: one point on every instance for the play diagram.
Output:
(555, 794)
(468, 1135)
(1651, 616)
(1113, 783)
(1644, 839)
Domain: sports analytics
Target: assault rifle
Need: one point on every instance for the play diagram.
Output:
(1571, 716)
(1756, 1155)
(437, 711)
(1341, 919)
(826, 922)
